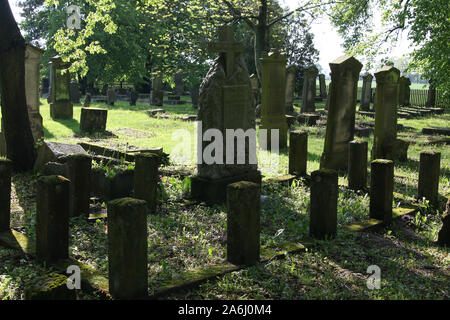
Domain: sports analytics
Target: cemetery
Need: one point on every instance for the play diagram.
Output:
(226, 180)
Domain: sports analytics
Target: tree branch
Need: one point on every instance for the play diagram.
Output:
(235, 12)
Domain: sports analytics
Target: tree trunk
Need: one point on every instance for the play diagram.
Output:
(261, 37)
(16, 124)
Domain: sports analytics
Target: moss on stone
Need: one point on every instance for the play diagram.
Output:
(51, 180)
(126, 202)
(51, 287)
(382, 161)
(243, 185)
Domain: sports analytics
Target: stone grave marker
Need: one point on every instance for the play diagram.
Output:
(157, 94)
(179, 88)
(290, 88)
(110, 96)
(429, 171)
(146, 178)
(431, 100)
(298, 152)
(404, 91)
(366, 92)
(52, 151)
(59, 97)
(93, 119)
(87, 100)
(195, 92)
(381, 189)
(75, 94)
(45, 87)
(309, 90)
(322, 86)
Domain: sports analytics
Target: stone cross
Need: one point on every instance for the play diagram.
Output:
(228, 46)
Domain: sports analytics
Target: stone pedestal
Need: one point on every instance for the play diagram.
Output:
(146, 179)
(93, 119)
(341, 112)
(127, 248)
(357, 165)
(366, 93)
(5, 193)
(59, 98)
(298, 152)
(323, 210)
(309, 90)
(381, 189)
(273, 96)
(243, 223)
(52, 218)
(429, 170)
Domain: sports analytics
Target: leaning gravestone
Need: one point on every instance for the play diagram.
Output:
(59, 98)
(290, 87)
(52, 151)
(341, 112)
(309, 90)
(273, 111)
(366, 93)
(157, 94)
(32, 64)
(75, 94)
(322, 86)
(225, 103)
(385, 144)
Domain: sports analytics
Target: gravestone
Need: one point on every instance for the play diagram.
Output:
(357, 165)
(385, 144)
(429, 171)
(75, 94)
(366, 93)
(133, 98)
(309, 90)
(381, 189)
(52, 218)
(45, 86)
(431, 100)
(87, 100)
(157, 94)
(404, 91)
(255, 89)
(444, 233)
(5, 193)
(93, 119)
(298, 152)
(225, 103)
(290, 88)
(194, 92)
(32, 70)
(110, 96)
(146, 179)
(322, 86)
(59, 97)
(53, 151)
(179, 88)
(273, 109)
(341, 112)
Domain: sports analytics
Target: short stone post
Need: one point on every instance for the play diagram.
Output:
(243, 220)
(323, 209)
(298, 152)
(366, 93)
(79, 173)
(127, 248)
(429, 170)
(52, 218)
(146, 178)
(357, 164)
(5, 193)
(381, 189)
(309, 90)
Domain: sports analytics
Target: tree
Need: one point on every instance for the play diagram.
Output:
(15, 121)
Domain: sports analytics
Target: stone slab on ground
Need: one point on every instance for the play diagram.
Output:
(52, 151)
(436, 130)
(154, 112)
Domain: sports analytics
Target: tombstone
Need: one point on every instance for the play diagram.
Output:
(429, 170)
(87, 100)
(255, 89)
(194, 92)
(146, 179)
(357, 165)
(444, 233)
(385, 144)
(32, 71)
(93, 119)
(110, 96)
(309, 90)
(179, 88)
(366, 93)
(75, 94)
(381, 189)
(59, 97)
(298, 152)
(79, 173)
(291, 72)
(127, 248)
(5, 193)
(404, 91)
(322, 86)
(323, 209)
(243, 223)
(52, 218)
(53, 151)
(431, 100)
(45, 86)
(2, 142)
(341, 112)
(225, 103)
(273, 107)
(157, 94)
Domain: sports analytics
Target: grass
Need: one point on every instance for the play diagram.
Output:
(185, 236)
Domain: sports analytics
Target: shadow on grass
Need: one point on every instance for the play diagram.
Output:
(143, 106)
(71, 124)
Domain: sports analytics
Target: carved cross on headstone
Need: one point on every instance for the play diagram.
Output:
(228, 46)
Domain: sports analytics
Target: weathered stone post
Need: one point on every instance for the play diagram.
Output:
(179, 88)
(87, 100)
(444, 233)
(79, 173)
(146, 178)
(5, 193)
(157, 94)
(403, 91)
(59, 97)
(127, 248)
(309, 90)
(323, 209)
(357, 164)
(110, 96)
(341, 112)
(290, 88)
(429, 170)
(322, 86)
(273, 115)
(298, 152)
(366, 93)
(431, 100)
(381, 189)
(243, 223)
(52, 218)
